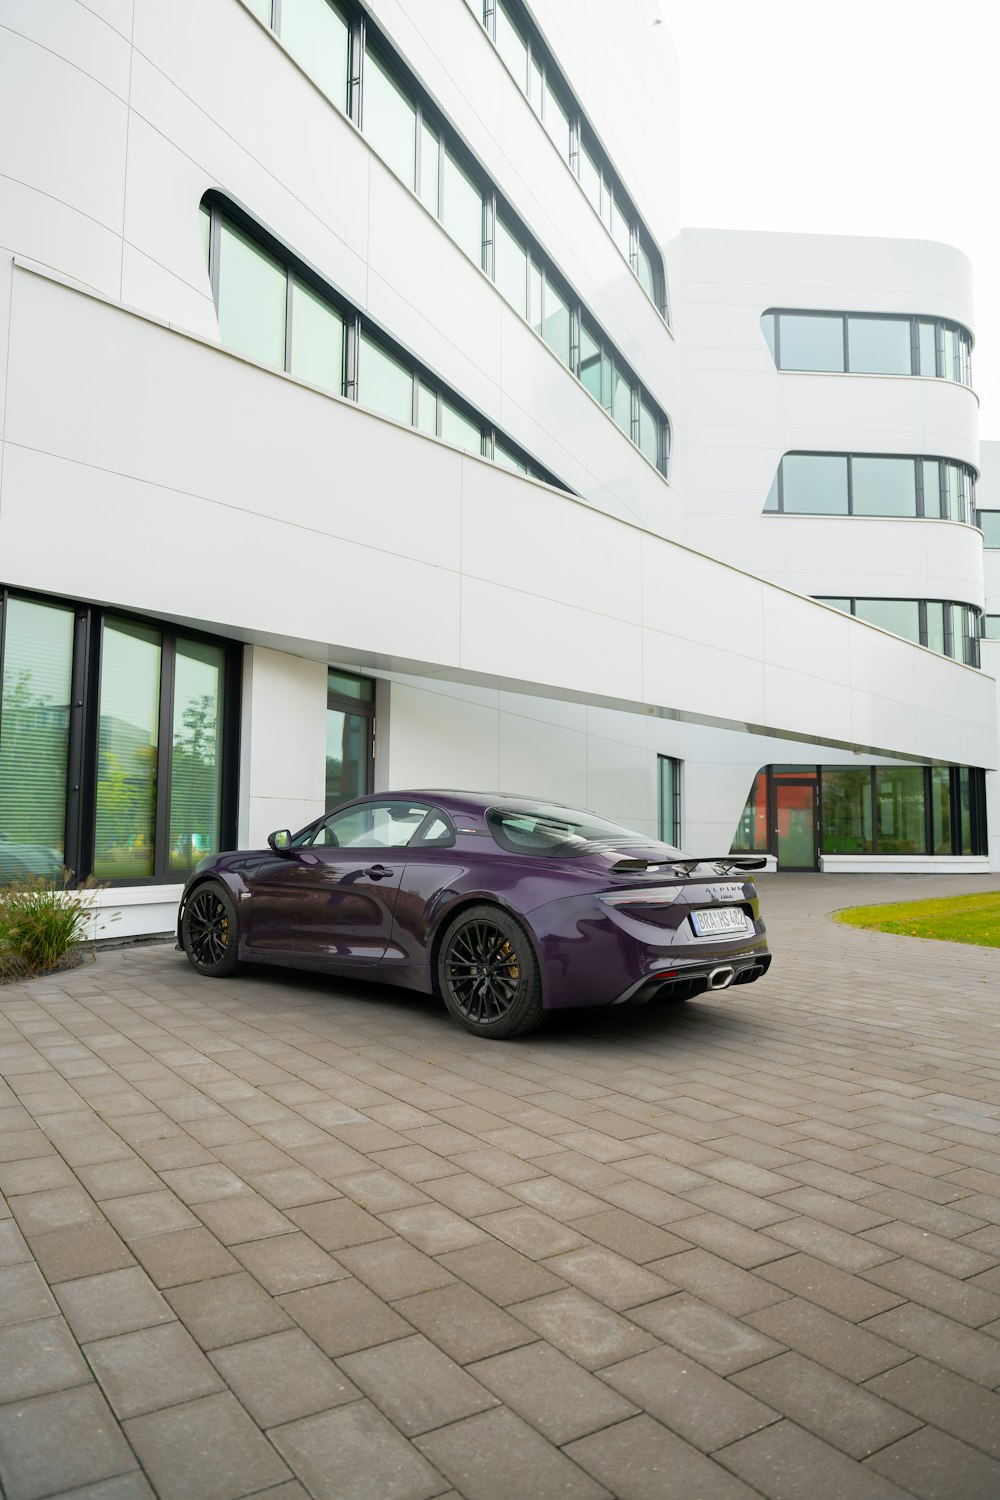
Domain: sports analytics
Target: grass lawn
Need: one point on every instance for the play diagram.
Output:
(954, 919)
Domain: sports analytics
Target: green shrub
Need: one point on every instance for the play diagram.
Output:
(41, 922)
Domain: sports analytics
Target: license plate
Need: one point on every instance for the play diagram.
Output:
(721, 919)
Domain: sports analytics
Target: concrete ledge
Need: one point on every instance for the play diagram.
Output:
(904, 864)
(135, 911)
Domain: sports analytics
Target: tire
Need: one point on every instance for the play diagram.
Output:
(210, 931)
(488, 974)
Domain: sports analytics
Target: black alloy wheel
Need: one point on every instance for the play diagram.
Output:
(210, 931)
(488, 974)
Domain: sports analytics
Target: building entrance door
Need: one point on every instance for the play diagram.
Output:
(795, 822)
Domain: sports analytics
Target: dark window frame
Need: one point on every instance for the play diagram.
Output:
(363, 708)
(965, 345)
(672, 834)
(968, 641)
(83, 758)
(967, 500)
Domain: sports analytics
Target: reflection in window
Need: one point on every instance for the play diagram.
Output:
(127, 751)
(251, 299)
(949, 628)
(900, 809)
(384, 385)
(389, 119)
(838, 484)
(317, 35)
(669, 799)
(34, 738)
(847, 811)
(866, 343)
(196, 754)
(350, 711)
(751, 834)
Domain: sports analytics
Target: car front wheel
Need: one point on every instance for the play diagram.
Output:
(210, 931)
(488, 974)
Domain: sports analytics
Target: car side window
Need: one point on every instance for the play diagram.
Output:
(372, 825)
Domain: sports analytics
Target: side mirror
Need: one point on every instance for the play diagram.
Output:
(280, 842)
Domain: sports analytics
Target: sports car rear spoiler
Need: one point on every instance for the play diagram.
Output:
(722, 864)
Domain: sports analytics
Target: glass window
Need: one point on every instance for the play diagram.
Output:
(430, 163)
(621, 401)
(590, 362)
(644, 271)
(941, 809)
(34, 738)
(344, 685)
(462, 209)
(205, 226)
(935, 626)
(649, 433)
(751, 834)
(899, 799)
(384, 385)
(952, 370)
(932, 487)
(127, 751)
(508, 459)
(251, 299)
(458, 429)
(927, 337)
(952, 491)
(512, 46)
(535, 297)
(879, 346)
(621, 231)
(884, 486)
(317, 352)
(556, 120)
(554, 832)
(510, 267)
(771, 503)
(535, 85)
(847, 810)
(843, 604)
(427, 409)
(390, 120)
(991, 627)
(669, 799)
(989, 520)
(965, 810)
(348, 736)
(767, 327)
(555, 322)
(901, 616)
(261, 9)
(811, 342)
(814, 483)
(375, 825)
(590, 178)
(317, 35)
(196, 754)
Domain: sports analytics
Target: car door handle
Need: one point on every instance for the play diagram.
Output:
(378, 872)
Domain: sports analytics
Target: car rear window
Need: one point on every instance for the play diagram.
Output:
(557, 832)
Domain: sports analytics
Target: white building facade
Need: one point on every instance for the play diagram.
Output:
(367, 421)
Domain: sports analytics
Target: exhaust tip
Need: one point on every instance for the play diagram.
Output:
(721, 978)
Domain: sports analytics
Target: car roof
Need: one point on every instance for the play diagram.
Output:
(452, 797)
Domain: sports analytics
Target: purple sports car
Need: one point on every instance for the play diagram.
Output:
(505, 906)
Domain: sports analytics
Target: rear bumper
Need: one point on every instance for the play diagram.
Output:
(688, 980)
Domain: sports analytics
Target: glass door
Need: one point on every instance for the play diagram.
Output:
(794, 822)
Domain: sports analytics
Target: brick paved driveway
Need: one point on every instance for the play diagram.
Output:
(278, 1237)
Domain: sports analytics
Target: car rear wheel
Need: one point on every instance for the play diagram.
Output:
(488, 974)
(210, 930)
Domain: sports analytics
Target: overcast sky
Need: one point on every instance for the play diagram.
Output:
(866, 117)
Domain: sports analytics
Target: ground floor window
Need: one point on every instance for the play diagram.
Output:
(669, 771)
(800, 812)
(350, 737)
(118, 743)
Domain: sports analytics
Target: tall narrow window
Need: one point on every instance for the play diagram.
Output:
(847, 811)
(34, 738)
(196, 753)
(389, 120)
(317, 352)
(510, 267)
(350, 718)
(317, 35)
(751, 834)
(251, 298)
(430, 168)
(462, 209)
(460, 430)
(669, 799)
(512, 46)
(555, 322)
(127, 751)
(384, 385)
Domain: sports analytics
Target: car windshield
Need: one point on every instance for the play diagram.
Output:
(561, 832)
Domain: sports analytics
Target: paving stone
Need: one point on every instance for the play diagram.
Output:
(640, 1460)
(37, 1357)
(744, 1247)
(496, 1456)
(90, 1447)
(629, 1236)
(380, 1191)
(972, 1305)
(500, 1273)
(854, 1352)
(203, 1184)
(343, 1317)
(936, 1217)
(841, 1213)
(694, 1402)
(337, 1224)
(712, 1337)
(846, 1251)
(57, 1208)
(463, 1323)
(148, 1213)
(945, 1400)
(648, 1202)
(932, 1249)
(416, 1385)
(287, 1263)
(226, 1309)
(850, 1417)
(35, 1175)
(717, 1281)
(921, 1331)
(551, 1392)
(610, 1278)
(23, 1294)
(734, 1203)
(533, 1233)
(13, 1246)
(786, 1463)
(282, 1377)
(183, 1255)
(152, 1368)
(291, 1187)
(133, 1486)
(353, 1453)
(587, 1331)
(935, 1466)
(851, 1297)
(393, 1269)
(98, 1307)
(209, 1448)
